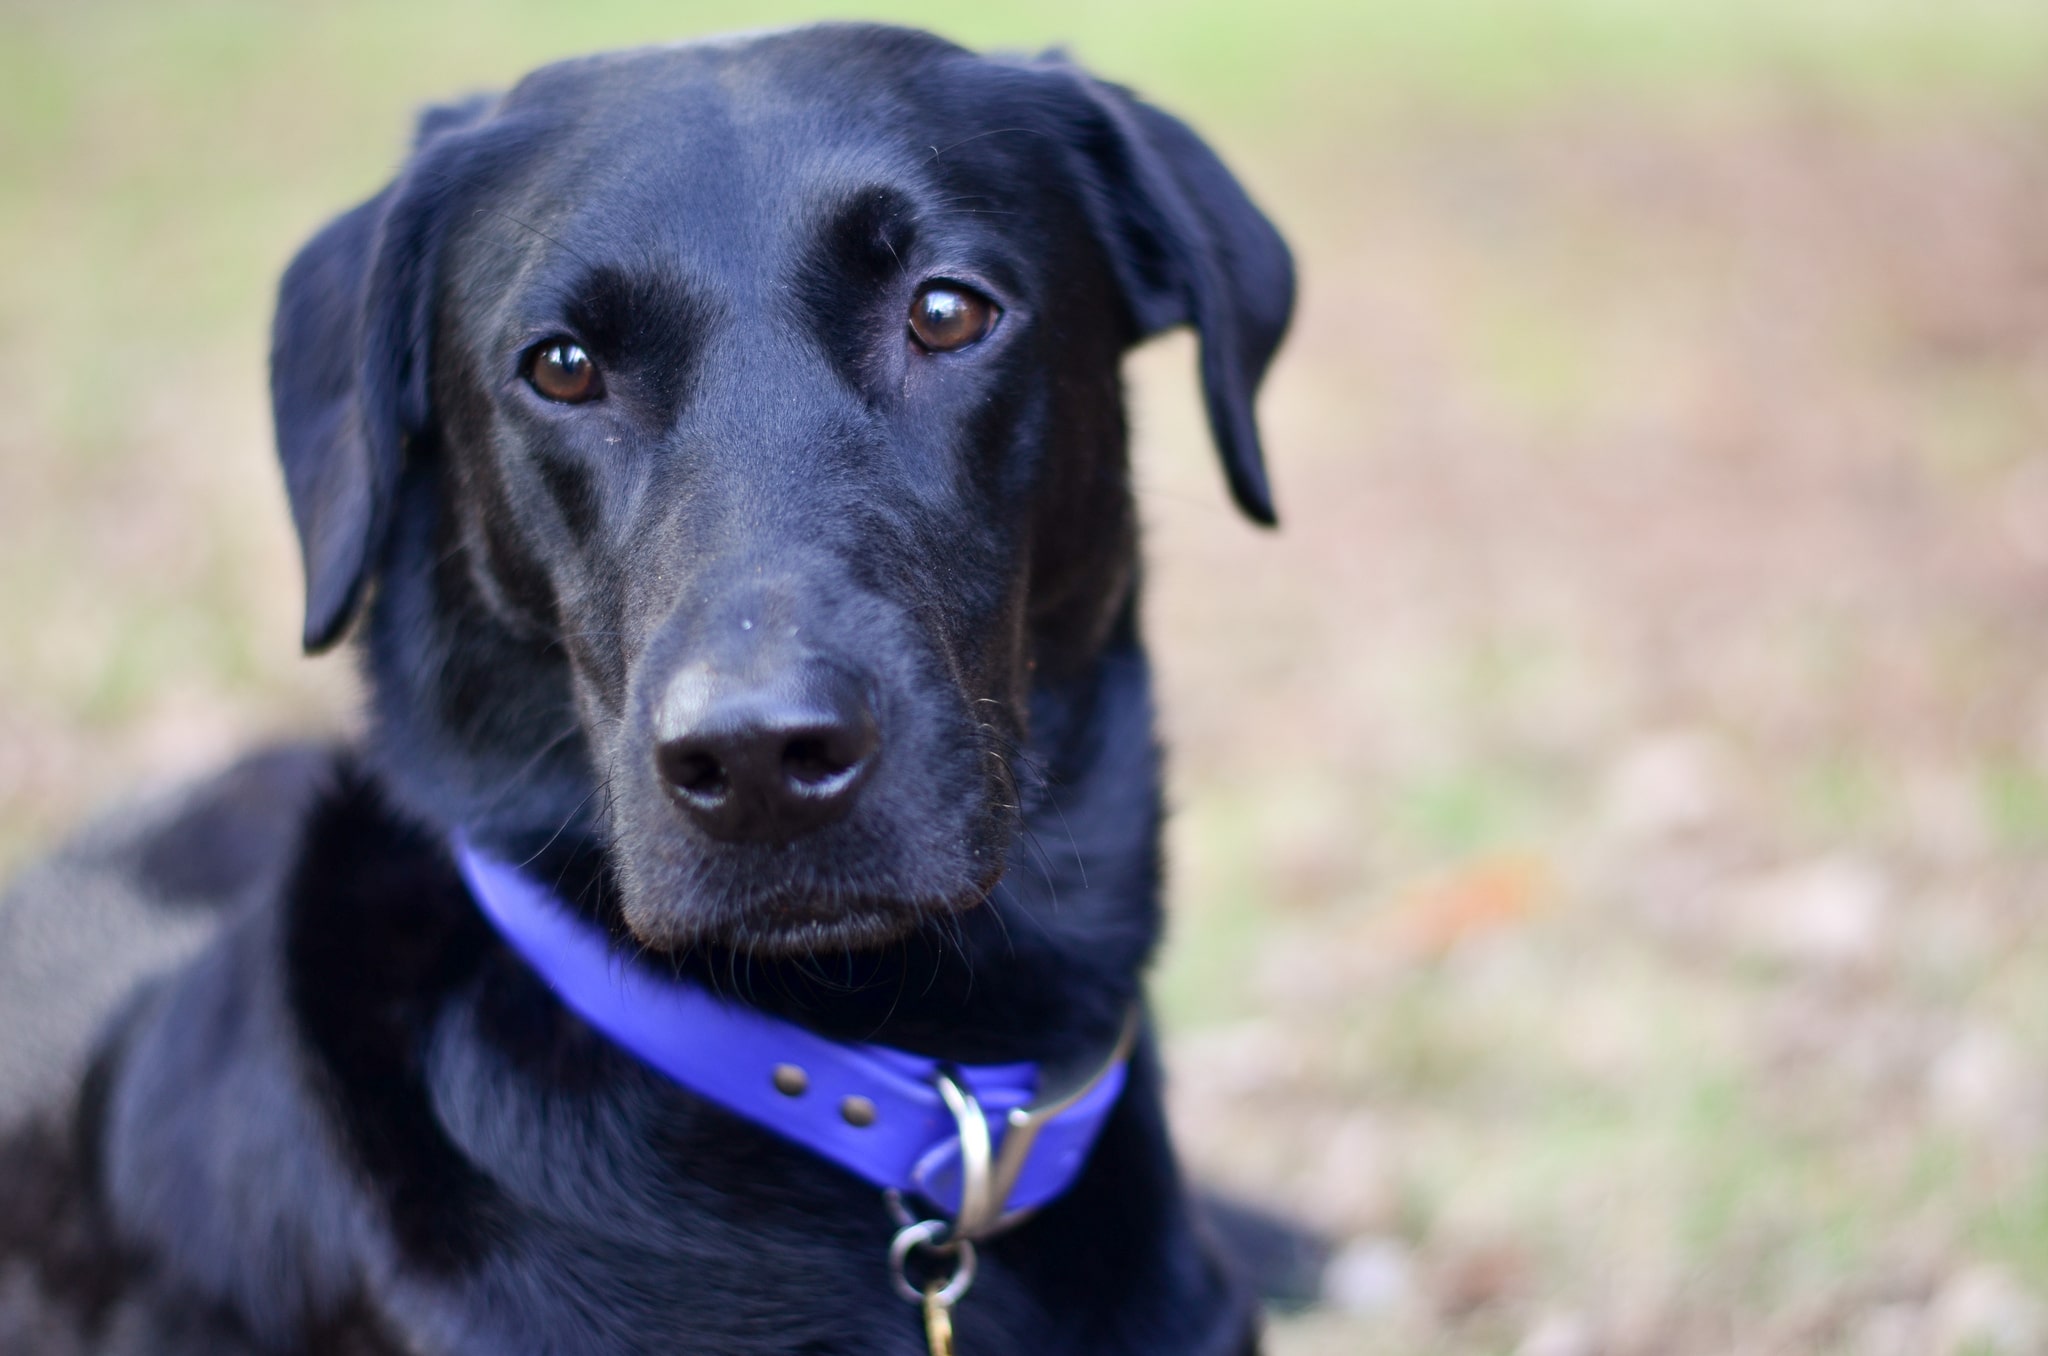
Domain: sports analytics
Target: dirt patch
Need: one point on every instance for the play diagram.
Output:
(1613, 810)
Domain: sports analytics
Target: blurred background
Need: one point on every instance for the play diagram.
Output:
(1611, 814)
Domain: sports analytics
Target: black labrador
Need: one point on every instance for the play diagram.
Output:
(722, 450)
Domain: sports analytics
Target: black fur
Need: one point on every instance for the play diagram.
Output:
(356, 1122)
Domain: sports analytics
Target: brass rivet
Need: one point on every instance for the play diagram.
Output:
(790, 1080)
(858, 1111)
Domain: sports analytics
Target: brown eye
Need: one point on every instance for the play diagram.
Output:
(945, 317)
(562, 371)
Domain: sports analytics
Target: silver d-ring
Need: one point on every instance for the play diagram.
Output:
(931, 1233)
(979, 1207)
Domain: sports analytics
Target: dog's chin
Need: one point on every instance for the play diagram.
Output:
(777, 928)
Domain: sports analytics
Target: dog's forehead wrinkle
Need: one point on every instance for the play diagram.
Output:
(736, 190)
(746, 129)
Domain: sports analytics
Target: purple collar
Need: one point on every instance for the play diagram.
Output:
(899, 1120)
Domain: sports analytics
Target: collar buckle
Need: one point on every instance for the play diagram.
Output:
(988, 1172)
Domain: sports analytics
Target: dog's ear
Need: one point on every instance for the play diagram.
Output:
(349, 367)
(1189, 248)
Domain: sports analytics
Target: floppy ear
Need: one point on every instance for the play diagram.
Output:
(1189, 248)
(349, 366)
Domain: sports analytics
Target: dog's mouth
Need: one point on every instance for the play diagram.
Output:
(832, 892)
(787, 926)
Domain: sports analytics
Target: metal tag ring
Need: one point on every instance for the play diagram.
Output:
(931, 1234)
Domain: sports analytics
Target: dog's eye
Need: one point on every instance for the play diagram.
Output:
(562, 371)
(944, 317)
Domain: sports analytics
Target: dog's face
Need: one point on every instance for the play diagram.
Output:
(769, 389)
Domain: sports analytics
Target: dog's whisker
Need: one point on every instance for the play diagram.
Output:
(995, 911)
(559, 831)
(1080, 857)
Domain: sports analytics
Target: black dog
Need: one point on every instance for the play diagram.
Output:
(725, 449)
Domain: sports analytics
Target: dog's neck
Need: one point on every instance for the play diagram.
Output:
(473, 731)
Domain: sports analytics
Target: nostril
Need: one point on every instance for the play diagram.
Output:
(694, 772)
(812, 761)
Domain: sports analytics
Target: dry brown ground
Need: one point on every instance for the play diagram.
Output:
(1612, 813)
(1613, 809)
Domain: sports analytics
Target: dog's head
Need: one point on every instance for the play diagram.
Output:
(731, 433)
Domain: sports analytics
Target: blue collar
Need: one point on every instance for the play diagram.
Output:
(1007, 1137)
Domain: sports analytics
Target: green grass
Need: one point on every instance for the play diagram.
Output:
(2016, 797)
(1472, 51)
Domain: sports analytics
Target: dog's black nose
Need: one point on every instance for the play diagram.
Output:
(770, 761)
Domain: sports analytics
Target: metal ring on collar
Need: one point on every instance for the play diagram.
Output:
(932, 1234)
(988, 1175)
(980, 1208)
